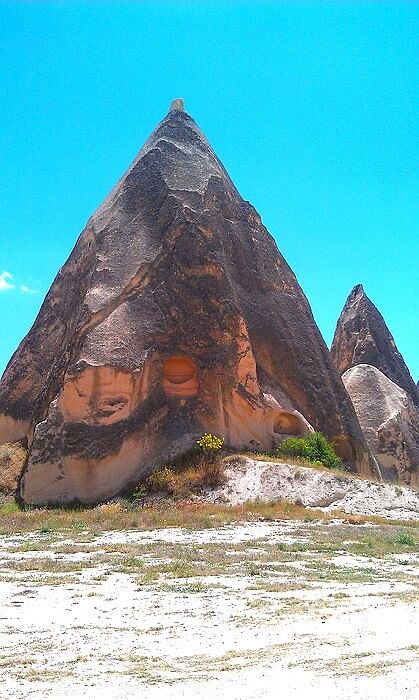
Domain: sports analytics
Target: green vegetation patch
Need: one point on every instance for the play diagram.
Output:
(314, 447)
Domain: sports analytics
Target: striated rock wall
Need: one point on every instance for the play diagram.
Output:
(389, 420)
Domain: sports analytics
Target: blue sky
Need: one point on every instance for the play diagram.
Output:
(310, 106)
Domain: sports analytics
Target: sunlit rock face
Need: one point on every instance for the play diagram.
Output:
(174, 315)
(362, 337)
(389, 420)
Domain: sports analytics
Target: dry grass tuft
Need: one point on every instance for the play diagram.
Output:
(186, 513)
(190, 475)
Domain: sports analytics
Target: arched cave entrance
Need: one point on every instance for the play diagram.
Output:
(180, 377)
(289, 424)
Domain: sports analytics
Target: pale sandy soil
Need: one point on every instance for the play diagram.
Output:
(138, 614)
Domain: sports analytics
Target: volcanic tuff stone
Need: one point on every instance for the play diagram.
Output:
(362, 337)
(268, 481)
(389, 420)
(175, 314)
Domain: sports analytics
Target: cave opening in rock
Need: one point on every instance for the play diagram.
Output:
(180, 377)
(343, 448)
(289, 424)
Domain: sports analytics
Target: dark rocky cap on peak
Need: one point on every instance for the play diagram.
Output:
(362, 337)
(356, 292)
(177, 159)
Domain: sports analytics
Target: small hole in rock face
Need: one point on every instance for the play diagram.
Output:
(179, 370)
(180, 377)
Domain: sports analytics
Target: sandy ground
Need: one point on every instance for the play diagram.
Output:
(120, 615)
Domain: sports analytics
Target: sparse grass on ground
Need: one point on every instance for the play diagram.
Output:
(193, 514)
(230, 591)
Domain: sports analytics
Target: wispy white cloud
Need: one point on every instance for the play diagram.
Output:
(6, 282)
(28, 290)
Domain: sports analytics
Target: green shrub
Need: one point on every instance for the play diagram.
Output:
(139, 492)
(293, 447)
(405, 538)
(321, 450)
(314, 447)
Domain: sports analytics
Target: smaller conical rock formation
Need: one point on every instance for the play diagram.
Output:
(389, 420)
(362, 337)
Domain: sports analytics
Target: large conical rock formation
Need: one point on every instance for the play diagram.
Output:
(175, 314)
(389, 420)
(362, 337)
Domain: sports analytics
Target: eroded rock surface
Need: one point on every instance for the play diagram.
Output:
(12, 460)
(174, 315)
(362, 337)
(248, 479)
(389, 420)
